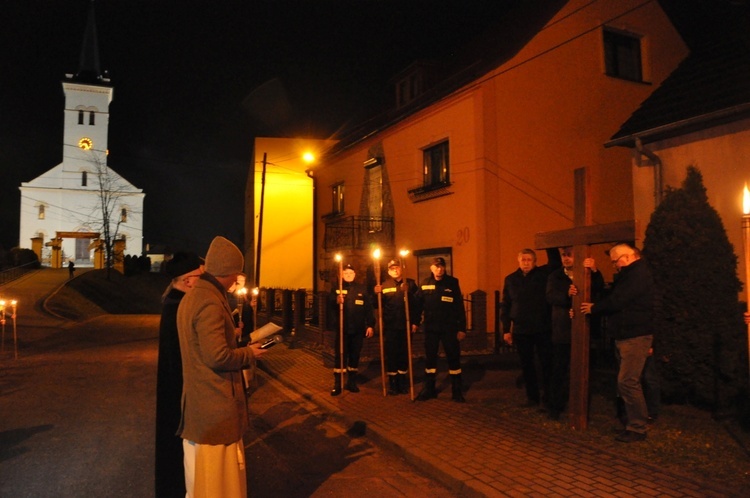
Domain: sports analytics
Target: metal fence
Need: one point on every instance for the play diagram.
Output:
(11, 274)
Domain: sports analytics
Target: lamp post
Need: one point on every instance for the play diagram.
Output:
(340, 300)
(2, 321)
(746, 239)
(403, 253)
(13, 305)
(376, 258)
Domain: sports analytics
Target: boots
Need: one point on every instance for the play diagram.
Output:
(336, 384)
(393, 388)
(456, 385)
(351, 381)
(428, 391)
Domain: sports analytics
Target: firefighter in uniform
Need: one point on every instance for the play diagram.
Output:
(358, 324)
(394, 324)
(444, 321)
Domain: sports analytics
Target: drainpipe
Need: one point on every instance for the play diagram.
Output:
(653, 160)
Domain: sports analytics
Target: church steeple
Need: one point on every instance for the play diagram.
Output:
(89, 69)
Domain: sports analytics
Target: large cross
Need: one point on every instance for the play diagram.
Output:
(581, 237)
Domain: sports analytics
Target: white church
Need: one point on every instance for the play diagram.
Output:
(70, 211)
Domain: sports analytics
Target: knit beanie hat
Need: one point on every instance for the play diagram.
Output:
(223, 258)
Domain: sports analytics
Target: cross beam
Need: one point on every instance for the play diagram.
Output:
(581, 237)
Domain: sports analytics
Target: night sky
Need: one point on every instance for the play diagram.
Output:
(182, 120)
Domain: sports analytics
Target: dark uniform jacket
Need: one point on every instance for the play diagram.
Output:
(524, 302)
(558, 284)
(394, 311)
(443, 305)
(630, 304)
(358, 314)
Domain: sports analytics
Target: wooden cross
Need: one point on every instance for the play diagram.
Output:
(581, 237)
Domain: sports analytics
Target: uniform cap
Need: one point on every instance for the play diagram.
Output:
(438, 261)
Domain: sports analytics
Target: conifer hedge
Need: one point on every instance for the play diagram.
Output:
(699, 338)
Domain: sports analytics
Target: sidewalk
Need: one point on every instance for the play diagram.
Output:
(469, 447)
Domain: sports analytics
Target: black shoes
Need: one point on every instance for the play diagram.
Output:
(627, 436)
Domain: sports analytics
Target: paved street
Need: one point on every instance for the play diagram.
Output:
(77, 416)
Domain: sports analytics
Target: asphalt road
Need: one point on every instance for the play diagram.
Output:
(77, 420)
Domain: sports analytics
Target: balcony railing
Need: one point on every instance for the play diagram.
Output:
(357, 232)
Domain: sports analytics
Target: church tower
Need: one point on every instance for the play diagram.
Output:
(81, 205)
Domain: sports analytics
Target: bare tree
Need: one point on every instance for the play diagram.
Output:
(117, 201)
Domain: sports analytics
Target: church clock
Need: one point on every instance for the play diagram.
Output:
(85, 143)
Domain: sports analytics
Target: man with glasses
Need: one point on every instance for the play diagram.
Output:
(629, 307)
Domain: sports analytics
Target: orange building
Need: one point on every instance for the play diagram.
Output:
(478, 155)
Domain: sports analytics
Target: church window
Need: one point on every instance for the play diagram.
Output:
(92, 118)
(41, 211)
(84, 178)
(80, 117)
(124, 214)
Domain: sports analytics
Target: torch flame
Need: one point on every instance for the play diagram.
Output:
(376, 253)
(746, 201)
(337, 257)
(404, 252)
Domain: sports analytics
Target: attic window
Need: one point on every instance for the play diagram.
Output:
(622, 55)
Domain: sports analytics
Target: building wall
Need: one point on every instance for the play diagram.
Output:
(720, 153)
(516, 136)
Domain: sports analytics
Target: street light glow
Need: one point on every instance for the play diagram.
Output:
(746, 200)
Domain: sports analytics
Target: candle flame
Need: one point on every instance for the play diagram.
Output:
(746, 200)
(376, 253)
(255, 291)
(404, 252)
(337, 257)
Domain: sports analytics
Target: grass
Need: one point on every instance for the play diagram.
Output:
(685, 440)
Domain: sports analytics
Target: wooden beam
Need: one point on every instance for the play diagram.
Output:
(619, 231)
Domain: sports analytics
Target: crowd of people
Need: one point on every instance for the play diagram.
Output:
(205, 353)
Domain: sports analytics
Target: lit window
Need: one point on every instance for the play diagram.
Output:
(338, 199)
(622, 55)
(436, 163)
(41, 211)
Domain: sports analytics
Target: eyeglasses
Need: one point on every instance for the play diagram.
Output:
(615, 261)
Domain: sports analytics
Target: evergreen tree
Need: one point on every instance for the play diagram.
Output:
(698, 337)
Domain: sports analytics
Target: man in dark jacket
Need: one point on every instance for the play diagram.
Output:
(560, 292)
(394, 289)
(358, 324)
(629, 307)
(169, 475)
(525, 316)
(444, 321)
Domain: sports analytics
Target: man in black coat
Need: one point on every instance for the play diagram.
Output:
(560, 292)
(358, 324)
(526, 319)
(444, 321)
(630, 308)
(185, 269)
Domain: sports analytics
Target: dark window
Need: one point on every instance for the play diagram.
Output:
(92, 119)
(436, 165)
(622, 55)
(337, 192)
(84, 178)
(80, 117)
(124, 215)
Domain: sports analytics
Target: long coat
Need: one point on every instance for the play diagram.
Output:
(214, 409)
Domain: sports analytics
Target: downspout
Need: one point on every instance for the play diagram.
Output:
(653, 160)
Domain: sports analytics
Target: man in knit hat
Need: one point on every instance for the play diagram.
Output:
(214, 409)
